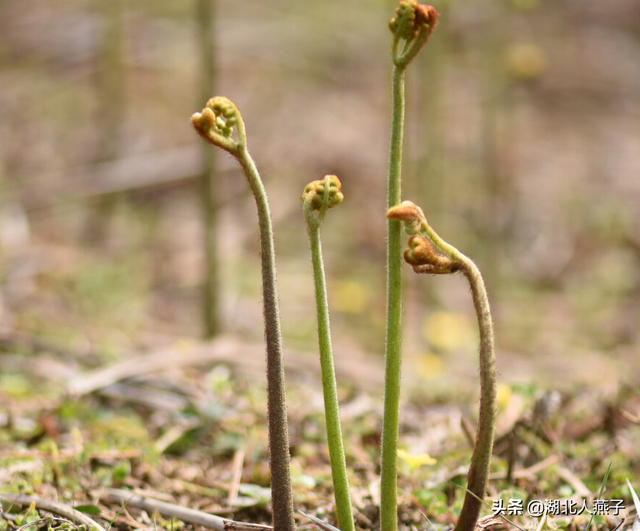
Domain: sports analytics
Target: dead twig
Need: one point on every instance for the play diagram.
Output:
(575, 482)
(53, 507)
(192, 516)
(630, 416)
(230, 525)
(238, 462)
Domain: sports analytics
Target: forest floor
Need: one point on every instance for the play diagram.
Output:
(185, 424)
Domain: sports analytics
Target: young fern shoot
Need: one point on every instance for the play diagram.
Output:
(424, 259)
(216, 124)
(317, 198)
(411, 28)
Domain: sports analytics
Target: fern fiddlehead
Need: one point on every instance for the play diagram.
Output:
(218, 123)
(424, 259)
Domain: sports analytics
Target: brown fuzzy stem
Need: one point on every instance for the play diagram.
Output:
(422, 256)
(217, 123)
(279, 457)
(481, 459)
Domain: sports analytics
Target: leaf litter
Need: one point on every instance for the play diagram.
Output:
(192, 436)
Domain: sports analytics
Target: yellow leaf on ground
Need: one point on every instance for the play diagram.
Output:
(417, 460)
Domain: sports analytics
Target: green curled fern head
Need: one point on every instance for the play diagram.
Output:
(327, 191)
(217, 121)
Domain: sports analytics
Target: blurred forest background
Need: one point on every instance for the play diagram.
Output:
(522, 146)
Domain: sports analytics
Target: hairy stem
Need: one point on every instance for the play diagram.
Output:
(329, 385)
(411, 28)
(393, 344)
(424, 260)
(220, 123)
(330, 390)
(481, 459)
(279, 458)
(478, 476)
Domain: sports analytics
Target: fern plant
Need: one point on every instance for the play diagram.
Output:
(411, 27)
(221, 124)
(216, 124)
(424, 259)
(318, 197)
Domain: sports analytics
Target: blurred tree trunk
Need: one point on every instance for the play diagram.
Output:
(205, 19)
(110, 79)
(110, 109)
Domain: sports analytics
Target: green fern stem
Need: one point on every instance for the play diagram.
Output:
(393, 343)
(329, 387)
(211, 290)
(411, 28)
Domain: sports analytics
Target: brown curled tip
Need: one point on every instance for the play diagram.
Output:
(203, 122)
(426, 15)
(424, 259)
(411, 18)
(406, 211)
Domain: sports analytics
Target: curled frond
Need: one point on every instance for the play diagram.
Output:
(410, 214)
(325, 192)
(318, 197)
(421, 256)
(403, 24)
(217, 121)
(426, 17)
(412, 24)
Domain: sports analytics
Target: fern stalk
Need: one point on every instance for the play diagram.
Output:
(216, 124)
(411, 27)
(424, 259)
(319, 196)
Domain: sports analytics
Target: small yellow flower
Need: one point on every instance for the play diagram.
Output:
(417, 460)
(448, 331)
(350, 296)
(504, 396)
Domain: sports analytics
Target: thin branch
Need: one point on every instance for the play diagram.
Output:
(192, 516)
(60, 509)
